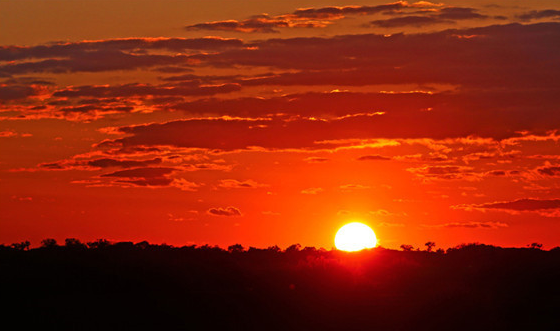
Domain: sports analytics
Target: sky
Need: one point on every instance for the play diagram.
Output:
(276, 122)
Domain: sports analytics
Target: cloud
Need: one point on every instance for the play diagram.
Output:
(415, 21)
(335, 12)
(106, 55)
(107, 163)
(505, 98)
(519, 205)
(402, 118)
(233, 184)
(185, 185)
(470, 225)
(543, 207)
(456, 56)
(539, 14)
(312, 190)
(141, 172)
(425, 13)
(8, 133)
(150, 176)
(227, 211)
(448, 15)
(302, 18)
(151, 181)
(281, 132)
(445, 172)
(16, 91)
(130, 90)
(74, 49)
(261, 25)
(13, 133)
(549, 170)
(353, 187)
(459, 13)
(315, 159)
(384, 213)
(375, 157)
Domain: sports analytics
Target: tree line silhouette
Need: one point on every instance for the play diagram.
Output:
(101, 285)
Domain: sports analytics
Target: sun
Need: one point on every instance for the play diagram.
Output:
(355, 236)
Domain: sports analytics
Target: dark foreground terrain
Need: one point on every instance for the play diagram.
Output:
(129, 286)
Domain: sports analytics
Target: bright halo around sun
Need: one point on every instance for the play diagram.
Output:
(354, 237)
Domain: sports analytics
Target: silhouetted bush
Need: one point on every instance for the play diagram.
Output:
(49, 243)
(124, 286)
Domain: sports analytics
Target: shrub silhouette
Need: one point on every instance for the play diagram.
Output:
(125, 285)
(49, 243)
(430, 246)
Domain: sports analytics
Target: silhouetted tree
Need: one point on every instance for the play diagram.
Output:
(22, 246)
(49, 243)
(274, 248)
(143, 244)
(430, 245)
(535, 246)
(73, 243)
(407, 248)
(235, 248)
(99, 243)
(294, 248)
(266, 285)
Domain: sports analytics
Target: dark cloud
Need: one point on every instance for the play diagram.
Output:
(470, 225)
(321, 17)
(459, 13)
(52, 166)
(129, 90)
(416, 21)
(141, 172)
(549, 170)
(260, 25)
(14, 92)
(538, 14)
(75, 49)
(315, 159)
(233, 183)
(521, 205)
(402, 120)
(105, 55)
(94, 61)
(446, 172)
(107, 163)
(227, 211)
(447, 15)
(155, 181)
(146, 176)
(375, 157)
(337, 12)
(301, 18)
(526, 57)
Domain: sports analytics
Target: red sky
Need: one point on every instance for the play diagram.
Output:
(276, 122)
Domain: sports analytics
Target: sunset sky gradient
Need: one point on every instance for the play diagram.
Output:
(276, 122)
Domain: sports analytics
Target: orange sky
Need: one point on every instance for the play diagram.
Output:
(276, 122)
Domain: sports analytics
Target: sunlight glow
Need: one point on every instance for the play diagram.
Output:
(355, 236)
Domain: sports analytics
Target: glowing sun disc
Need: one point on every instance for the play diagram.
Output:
(355, 236)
